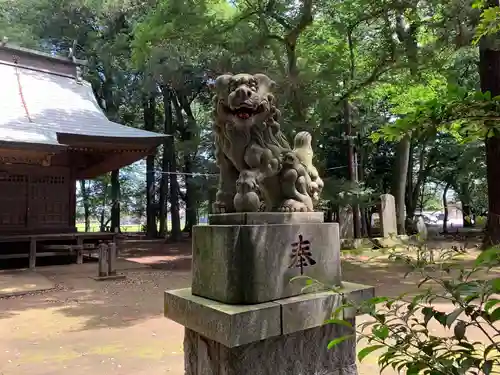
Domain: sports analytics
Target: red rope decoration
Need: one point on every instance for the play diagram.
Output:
(23, 101)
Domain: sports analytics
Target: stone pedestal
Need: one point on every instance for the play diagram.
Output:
(254, 259)
(244, 315)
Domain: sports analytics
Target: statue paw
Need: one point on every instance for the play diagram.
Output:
(291, 205)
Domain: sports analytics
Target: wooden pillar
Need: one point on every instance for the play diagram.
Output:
(112, 259)
(79, 252)
(32, 259)
(103, 260)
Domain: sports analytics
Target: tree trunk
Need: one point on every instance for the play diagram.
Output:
(293, 79)
(445, 206)
(86, 204)
(149, 105)
(367, 222)
(410, 208)
(467, 215)
(162, 201)
(167, 126)
(175, 234)
(407, 34)
(414, 187)
(466, 205)
(102, 222)
(399, 180)
(365, 226)
(190, 199)
(352, 166)
(489, 72)
(115, 199)
(187, 134)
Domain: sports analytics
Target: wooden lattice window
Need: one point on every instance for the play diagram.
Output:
(49, 201)
(13, 199)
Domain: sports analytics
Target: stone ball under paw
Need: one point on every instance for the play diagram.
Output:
(247, 202)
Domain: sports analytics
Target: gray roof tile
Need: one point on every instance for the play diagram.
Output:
(55, 105)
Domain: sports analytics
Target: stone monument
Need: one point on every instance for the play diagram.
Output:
(245, 313)
(346, 222)
(422, 231)
(388, 221)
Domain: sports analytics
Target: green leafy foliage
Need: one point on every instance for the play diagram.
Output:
(401, 328)
(404, 67)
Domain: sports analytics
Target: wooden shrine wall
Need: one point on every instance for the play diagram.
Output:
(36, 199)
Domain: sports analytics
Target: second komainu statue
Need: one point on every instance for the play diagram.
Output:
(259, 171)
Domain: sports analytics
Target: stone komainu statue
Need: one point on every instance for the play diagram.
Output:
(259, 171)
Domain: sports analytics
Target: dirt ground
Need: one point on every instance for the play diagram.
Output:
(117, 327)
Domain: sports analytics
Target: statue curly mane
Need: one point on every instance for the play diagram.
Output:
(270, 137)
(265, 132)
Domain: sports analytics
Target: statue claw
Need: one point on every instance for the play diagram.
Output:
(291, 205)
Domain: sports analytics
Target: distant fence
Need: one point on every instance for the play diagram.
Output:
(96, 227)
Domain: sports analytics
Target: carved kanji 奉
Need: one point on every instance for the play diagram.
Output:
(301, 254)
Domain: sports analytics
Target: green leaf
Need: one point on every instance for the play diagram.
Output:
(382, 332)
(478, 4)
(440, 317)
(496, 285)
(495, 315)
(491, 303)
(451, 317)
(466, 345)
(489, 348)
(339, 322)
(338, 340)
(366, 351)
(415, 368)
(487, 367)
(428, 314)
(486, 257)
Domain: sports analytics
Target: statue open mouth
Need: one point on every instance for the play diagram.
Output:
(244, 112)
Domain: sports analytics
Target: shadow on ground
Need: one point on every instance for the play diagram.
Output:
(86, 304)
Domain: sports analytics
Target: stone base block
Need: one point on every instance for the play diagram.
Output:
(299, 353)
(239, 325)
(253, 261)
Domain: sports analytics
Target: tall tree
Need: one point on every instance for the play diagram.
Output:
(149, 109)
(489, 72)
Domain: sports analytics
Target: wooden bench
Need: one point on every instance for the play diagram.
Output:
(55, 249)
